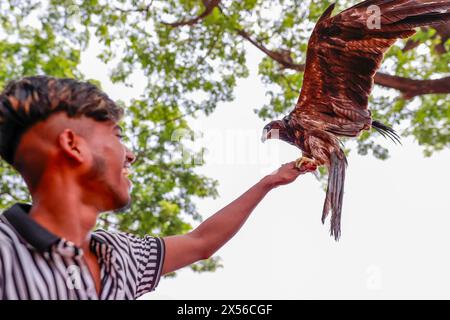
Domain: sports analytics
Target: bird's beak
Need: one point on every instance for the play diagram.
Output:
(264, 135)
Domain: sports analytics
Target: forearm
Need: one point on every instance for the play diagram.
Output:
(212, 234)
(223, 225)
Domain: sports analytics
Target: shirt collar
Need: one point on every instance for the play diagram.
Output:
(35, 234)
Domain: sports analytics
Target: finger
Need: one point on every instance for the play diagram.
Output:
(308, 168)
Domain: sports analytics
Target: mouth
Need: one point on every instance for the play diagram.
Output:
(127, 172)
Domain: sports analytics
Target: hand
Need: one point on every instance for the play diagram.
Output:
(288, 172)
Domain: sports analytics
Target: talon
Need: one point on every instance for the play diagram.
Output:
(305, 161)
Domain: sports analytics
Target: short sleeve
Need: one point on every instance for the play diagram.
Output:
(149, 253)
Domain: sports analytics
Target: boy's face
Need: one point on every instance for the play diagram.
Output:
(83, 153)
(107, 177)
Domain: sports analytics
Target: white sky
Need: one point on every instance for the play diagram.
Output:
(394, 227)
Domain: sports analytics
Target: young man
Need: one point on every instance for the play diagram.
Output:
(62, 136)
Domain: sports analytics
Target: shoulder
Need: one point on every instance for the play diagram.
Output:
(127, 241)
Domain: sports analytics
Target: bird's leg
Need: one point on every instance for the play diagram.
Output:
(305, 161)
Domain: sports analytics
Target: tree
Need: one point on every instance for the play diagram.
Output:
(192, 53)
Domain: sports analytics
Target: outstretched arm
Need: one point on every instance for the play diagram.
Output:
(213, 233)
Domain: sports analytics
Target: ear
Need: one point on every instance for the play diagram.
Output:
(73, 145)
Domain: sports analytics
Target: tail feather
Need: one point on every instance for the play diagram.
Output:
(335, 192)
(386, 131)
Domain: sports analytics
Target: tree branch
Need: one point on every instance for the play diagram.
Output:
(210, 49)
(409, 88)
(140, 9)
(444, 31)
(282, 57)
(209, 7)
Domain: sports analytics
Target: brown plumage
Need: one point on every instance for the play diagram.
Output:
(344, 53)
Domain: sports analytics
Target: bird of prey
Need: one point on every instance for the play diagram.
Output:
(344, 52)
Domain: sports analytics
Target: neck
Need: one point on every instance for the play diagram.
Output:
(58, 207)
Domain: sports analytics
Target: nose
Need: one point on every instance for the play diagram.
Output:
(130, 156)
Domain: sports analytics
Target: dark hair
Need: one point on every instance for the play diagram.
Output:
(32, 99)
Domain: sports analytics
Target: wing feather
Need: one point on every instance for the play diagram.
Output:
(344, 54)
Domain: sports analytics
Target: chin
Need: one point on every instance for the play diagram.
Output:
(122, 205)
(122, 198)
(120, 195)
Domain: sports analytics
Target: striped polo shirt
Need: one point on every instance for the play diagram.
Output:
(36, 264)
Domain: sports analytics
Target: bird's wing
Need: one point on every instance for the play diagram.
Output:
(344, 53)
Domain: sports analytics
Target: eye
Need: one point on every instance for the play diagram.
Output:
(120, 136)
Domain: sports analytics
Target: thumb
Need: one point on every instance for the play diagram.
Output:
(308, 167)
